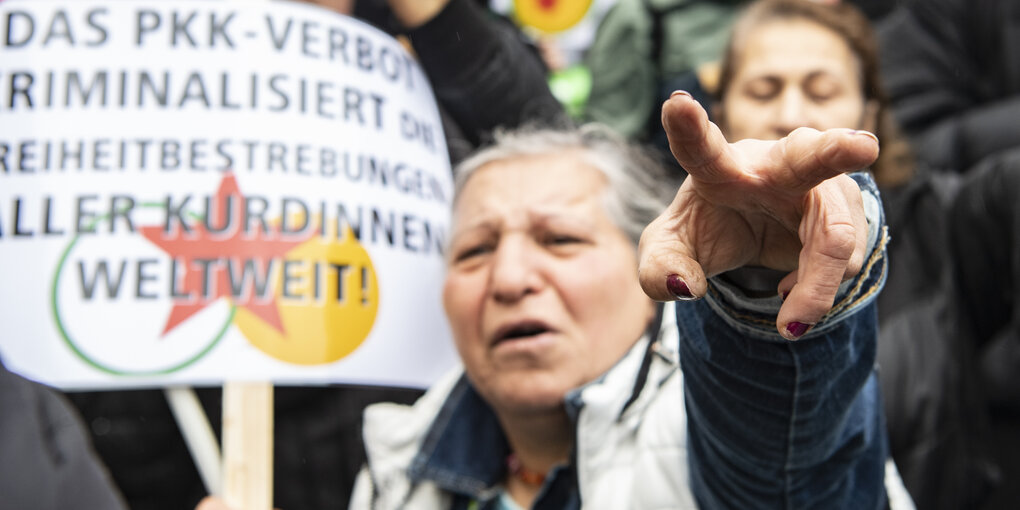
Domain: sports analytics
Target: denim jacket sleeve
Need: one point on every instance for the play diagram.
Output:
(780, 424)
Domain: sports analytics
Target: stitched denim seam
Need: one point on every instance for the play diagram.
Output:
(852, 298)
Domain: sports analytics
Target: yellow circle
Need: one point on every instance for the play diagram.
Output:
(550, 16)
(327, 309)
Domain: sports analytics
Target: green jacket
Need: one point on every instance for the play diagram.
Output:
(643, 44)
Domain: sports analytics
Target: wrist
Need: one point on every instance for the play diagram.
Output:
(415, 13)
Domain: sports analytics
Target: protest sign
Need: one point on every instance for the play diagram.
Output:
(193, 192)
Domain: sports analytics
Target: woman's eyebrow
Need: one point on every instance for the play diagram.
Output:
(547, 218)
(473, 226)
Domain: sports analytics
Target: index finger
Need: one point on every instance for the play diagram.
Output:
(696, 143)
(807, 156)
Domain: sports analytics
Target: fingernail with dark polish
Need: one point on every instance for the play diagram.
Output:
(797, 329)
(680, 93)
(678, 288)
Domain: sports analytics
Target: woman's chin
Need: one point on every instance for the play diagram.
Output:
(529, 399)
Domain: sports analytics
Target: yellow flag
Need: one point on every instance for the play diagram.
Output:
(550, 16)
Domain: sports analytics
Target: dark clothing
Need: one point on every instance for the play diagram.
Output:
(985, 224)
(950, 335)
(316, 434)
(483, 72)
(484, 77)
(48, 463)
(952, 71)
(920, 376)
(936, 418)
(917, 216)
(137, 437)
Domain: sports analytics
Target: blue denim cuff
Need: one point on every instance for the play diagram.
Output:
(756, 316)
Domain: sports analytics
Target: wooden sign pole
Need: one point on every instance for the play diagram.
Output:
(248, 445)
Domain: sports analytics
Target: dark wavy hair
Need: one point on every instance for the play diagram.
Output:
(895, 163)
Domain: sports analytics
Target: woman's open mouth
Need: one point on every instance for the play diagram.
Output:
(520, 331)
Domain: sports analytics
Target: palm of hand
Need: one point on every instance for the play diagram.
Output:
(784, 205)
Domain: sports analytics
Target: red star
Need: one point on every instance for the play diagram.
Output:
(234, 246)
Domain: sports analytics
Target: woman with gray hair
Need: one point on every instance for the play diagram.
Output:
(578, 390)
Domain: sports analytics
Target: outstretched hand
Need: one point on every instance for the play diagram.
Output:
(784, 205)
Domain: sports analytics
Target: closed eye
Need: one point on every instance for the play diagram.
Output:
(821, 87)
(763, 89)
(472, 252)
(562, 239)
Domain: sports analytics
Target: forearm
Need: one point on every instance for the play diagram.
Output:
(415, 13)
(778, 423)
(482, 72)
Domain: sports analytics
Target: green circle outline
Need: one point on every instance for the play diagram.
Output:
(66, 337)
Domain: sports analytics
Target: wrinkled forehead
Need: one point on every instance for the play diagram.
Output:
(562, 180)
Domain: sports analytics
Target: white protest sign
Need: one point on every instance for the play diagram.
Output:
(193, 192)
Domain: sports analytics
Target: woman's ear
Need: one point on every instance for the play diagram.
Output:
(869, 117)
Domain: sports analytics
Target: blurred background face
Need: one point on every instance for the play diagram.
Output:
(541, 291)
(790, 74)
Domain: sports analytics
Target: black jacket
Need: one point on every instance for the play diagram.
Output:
(47, 460)
(952, 71)
(484, 71)
(949, 341)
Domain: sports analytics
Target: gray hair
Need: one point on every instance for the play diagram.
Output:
(638, 191)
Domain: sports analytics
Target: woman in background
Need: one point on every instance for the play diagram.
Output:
(796, 63)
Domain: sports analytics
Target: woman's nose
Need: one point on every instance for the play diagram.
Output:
(792, 112)
(514, 271)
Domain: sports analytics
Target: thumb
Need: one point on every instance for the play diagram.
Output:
(667, 268)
